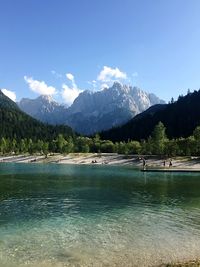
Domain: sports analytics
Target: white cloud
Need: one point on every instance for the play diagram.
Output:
(39, 87)
(70, 76)
(107, 74)
(69, 94)
(10, 94)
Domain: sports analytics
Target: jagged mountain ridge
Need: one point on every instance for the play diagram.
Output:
(43, 108)
(93, 111)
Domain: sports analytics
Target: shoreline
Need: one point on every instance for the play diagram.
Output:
(106, 159)
(191, 263)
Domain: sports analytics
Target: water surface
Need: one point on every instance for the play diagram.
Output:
(68, 215)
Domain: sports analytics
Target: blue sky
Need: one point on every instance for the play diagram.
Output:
(65, 46)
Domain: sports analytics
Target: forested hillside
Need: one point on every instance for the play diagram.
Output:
(180, 119)
(16, 124)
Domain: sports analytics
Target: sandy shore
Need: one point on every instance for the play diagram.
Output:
(105, 159)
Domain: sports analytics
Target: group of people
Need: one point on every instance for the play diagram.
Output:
(164, 163)
(170, 163)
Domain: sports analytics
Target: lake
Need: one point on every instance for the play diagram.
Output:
(70, 215)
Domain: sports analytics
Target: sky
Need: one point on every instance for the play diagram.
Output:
(62, 47)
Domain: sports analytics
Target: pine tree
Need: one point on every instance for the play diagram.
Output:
(159, 139)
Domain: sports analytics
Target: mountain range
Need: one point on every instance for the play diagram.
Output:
(92, 111)
(180, 119)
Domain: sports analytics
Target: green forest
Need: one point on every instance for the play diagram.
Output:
(156, 144)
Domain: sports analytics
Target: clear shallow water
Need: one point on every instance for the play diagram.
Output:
(67, 215)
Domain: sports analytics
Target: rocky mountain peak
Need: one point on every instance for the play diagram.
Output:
(47, 98)
(44, 108)
(93, 111)
(100, 110)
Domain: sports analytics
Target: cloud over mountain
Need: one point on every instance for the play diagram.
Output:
(39, 87)
(107, 74)
(69, 90)
(70, 93)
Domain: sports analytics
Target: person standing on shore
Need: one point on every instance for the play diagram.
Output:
(164, 163)
(170, 163)
(144, 163)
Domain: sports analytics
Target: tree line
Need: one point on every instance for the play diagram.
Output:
(156, 144)
(15, 124)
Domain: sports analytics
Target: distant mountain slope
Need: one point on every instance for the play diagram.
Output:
(16, 124)
(43, 108)
(93, 111)
(180, 119)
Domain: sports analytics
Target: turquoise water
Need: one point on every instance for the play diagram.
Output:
(67, 215)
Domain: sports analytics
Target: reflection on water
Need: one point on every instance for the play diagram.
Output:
(52, 215)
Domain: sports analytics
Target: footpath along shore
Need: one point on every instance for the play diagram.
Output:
(107, 159)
